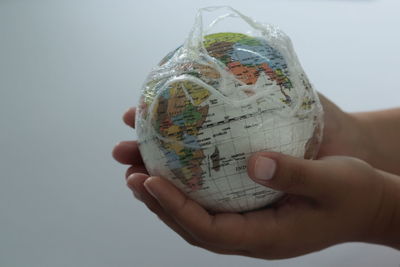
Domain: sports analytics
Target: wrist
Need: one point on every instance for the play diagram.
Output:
(385, 226)
(364, 138)
(380, 134)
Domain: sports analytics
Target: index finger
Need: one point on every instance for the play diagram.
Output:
(129, 117)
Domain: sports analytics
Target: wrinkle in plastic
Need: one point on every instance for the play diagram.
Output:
(217, 99)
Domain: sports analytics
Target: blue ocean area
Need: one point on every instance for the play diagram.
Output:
(178, 120)
(173, 160)
(257, 55)
(191, 141)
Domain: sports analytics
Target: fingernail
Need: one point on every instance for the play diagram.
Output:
(135, 193)
(264, 168)
(153, 191)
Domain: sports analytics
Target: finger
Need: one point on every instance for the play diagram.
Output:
(220, 230)
(293, 175)
(129, 117)
(127, 152)
(135, 169)
(135, 183)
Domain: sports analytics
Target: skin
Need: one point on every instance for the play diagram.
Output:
(337, 198)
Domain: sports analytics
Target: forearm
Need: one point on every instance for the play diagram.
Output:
(383, 130)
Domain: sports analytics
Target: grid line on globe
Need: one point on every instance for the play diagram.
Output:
(191, 133)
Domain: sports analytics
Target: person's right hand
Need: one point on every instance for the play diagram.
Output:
(343, 135)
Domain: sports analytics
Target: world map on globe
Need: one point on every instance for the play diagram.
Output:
(195, 134)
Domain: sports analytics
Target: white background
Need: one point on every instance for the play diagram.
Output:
(69, 69)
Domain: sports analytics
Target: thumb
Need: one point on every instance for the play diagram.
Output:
(293, 175)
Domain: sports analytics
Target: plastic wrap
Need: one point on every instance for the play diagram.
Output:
(221, 96)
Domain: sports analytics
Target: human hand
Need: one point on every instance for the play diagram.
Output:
(344, 134)
(331, 200)
(341, 136)
(303, 223)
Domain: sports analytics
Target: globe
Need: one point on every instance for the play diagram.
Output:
(202, 115)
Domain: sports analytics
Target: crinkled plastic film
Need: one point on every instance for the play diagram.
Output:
(217, 99)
